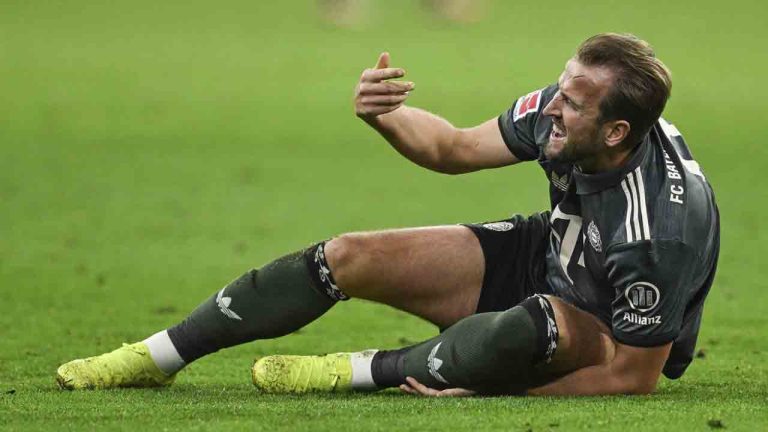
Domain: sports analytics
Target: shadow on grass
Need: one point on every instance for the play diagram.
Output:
(697, 393)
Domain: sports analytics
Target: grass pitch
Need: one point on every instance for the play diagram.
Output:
(151, 152)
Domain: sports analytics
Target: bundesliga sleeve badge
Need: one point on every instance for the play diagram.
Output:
(526, 105)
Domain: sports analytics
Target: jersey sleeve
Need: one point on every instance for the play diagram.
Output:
(651, 279)
(522, 125)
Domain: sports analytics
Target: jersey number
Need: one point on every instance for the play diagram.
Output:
(564, 237)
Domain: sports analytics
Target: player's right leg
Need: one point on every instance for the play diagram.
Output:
(513, 254)
(435, 273)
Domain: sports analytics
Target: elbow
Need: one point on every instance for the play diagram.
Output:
(641, 390)
(644, 388)
(452, 170)
(441, 166)
(448, 163)
(439, 160)
(636, 371)
(637, 385)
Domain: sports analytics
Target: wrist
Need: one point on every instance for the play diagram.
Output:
(371, 120)
(382, 121)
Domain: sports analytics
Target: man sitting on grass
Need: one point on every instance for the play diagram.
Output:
(597, 296)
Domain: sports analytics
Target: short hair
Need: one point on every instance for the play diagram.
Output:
(642, 83)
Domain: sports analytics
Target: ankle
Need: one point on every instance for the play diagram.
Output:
(362, 378)
(387, 368)
(164, 353)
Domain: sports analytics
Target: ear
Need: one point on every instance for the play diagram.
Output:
(615, 132)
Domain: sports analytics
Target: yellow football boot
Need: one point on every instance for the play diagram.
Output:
(127, 366)
(303, 374)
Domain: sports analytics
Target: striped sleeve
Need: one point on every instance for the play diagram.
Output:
(636, 219)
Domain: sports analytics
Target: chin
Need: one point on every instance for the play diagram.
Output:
(553, 151)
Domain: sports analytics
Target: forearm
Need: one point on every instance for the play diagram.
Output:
(424, 138)
(593, 381)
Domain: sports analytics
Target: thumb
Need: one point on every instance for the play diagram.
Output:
(383, 61)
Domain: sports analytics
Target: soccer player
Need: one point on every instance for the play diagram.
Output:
(600, 295)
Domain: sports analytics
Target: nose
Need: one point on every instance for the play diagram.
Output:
(552, 108)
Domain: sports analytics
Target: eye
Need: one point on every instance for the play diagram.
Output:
(568, 101)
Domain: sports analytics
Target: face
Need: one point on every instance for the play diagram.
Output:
(577, 136)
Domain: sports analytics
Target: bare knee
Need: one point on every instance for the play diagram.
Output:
(346, 256)
(433, 272)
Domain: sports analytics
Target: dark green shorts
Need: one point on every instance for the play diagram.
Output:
(515, 264)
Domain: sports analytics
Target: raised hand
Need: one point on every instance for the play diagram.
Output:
(375, 95)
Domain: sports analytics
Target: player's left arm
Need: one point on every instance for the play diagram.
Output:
(632, 370)
(652, 280)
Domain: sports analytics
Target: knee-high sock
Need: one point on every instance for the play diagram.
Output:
(275, 300)
(490, 352)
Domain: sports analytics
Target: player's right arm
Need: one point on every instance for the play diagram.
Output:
(425, 138)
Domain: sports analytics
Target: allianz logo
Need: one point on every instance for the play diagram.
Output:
(641, 320)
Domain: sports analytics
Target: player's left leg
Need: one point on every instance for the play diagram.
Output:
(504, 352)
(495, 352)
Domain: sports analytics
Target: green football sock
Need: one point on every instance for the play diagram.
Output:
(273, 301)
(492, 352)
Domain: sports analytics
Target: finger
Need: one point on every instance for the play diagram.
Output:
(407, 389)
(457, 392)
(426, 391)
(386, 87)
(383, 61)
(383, 99)
(376, 75)
(421, 388)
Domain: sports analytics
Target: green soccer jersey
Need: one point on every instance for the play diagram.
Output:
(636, 246)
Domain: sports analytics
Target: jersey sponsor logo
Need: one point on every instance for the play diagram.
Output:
(223, 304)
(641, 320)
(594, 237)
(499, 226)
(560, 182)
(642, 296)
(526, 105)
(636, 221)
(434, 363)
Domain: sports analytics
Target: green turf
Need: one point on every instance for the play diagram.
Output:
(151, 151)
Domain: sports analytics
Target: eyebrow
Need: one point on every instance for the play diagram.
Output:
(577, 105)
(560, 89)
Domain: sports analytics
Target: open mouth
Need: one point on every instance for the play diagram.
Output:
(558, 132)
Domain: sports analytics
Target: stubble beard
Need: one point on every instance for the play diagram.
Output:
(574, 152)
(565, 155)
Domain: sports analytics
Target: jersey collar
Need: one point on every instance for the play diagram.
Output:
(592, 183)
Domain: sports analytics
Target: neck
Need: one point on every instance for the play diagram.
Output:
(605, 161)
